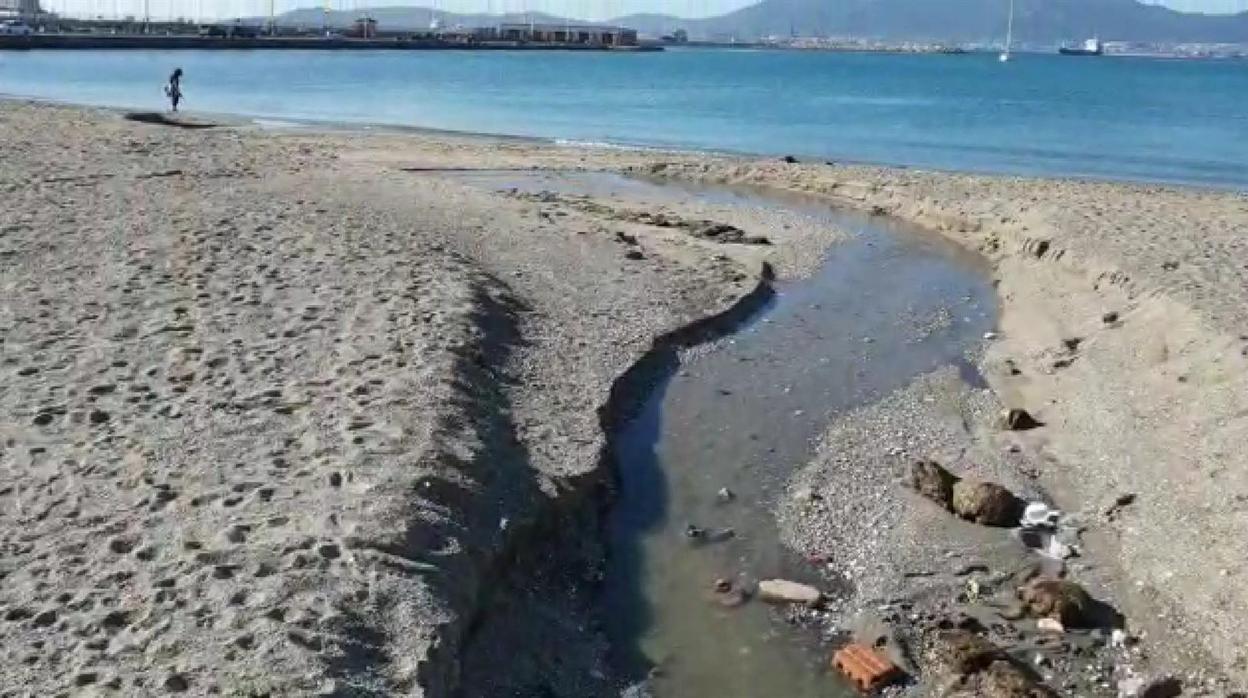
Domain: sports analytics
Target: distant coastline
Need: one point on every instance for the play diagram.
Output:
(165, 43)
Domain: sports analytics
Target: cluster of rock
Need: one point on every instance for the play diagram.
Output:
(705, 229)
(968, 664)
(971, 666)
(700, 228)
(985, 503)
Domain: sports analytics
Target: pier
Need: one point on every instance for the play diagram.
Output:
(331, 43)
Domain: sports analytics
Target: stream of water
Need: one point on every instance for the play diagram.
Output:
(887, 305)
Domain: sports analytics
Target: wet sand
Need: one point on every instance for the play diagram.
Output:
(295, 412)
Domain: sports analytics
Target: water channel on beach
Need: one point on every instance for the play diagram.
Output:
(888, 304)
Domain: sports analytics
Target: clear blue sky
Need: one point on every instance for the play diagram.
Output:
(588, 9)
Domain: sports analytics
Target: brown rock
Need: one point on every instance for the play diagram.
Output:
(986, 503)
(970, 665)
(931, 480)
(961, 652)
(1005, 680)
(1059, 599)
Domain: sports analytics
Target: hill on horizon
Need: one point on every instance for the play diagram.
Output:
(1036, 21)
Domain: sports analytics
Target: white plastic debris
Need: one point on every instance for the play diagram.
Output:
(1057, 549)
(1046, 542)
(1040, 515)
(1130, 687)
(1050, 625)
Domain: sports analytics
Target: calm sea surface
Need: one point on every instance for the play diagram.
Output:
(1122, 118)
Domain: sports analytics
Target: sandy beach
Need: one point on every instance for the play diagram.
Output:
(308, 412)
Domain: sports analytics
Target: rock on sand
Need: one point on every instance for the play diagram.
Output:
(784, 591)
(933, 481)
(1059, 599)
(986, 503)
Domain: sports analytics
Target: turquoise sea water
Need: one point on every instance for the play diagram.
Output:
(1122, 118)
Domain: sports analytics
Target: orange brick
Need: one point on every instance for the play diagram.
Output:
(867, 669)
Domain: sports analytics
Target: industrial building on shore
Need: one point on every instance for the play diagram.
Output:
(19, 9)
(55, 31)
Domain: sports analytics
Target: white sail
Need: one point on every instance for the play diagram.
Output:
(1009, 35)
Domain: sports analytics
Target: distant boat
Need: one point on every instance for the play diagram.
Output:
(1009, 36)
(1091, 47)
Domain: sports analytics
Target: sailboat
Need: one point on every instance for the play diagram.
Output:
(1009, 36)
(435, 23)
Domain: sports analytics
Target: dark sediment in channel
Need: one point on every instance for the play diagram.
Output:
(559, 546)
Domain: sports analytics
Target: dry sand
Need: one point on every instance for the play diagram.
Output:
(289, 413)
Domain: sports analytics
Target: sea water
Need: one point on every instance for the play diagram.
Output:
(1109, 117)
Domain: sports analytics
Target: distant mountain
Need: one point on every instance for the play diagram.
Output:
(1036, 21)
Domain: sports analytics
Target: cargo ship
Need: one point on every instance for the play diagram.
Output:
(1091, 47)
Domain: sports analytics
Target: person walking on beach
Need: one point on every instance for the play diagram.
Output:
(174, 88)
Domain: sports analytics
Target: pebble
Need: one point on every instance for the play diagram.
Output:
(785, 591)
(176, 683)
(1050, 625)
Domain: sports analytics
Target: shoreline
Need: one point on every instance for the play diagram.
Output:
(346, 126)
(1043, 238)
